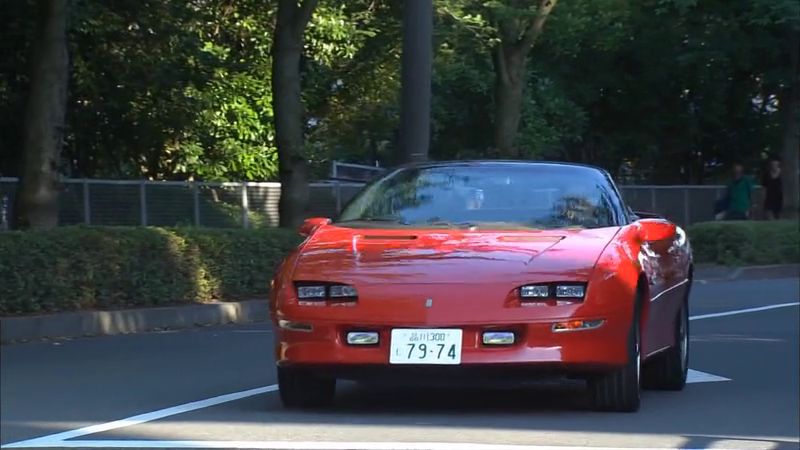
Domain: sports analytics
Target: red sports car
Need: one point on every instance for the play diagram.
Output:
(487, 268)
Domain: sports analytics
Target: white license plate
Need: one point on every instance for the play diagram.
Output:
(425, 346)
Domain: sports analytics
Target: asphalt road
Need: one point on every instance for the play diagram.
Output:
(49, 388)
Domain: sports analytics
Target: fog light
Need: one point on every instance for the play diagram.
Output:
(498, 338)
(294, 326)
(577, 325)
(362, 338)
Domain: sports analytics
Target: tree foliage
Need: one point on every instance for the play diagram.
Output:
(663, 91)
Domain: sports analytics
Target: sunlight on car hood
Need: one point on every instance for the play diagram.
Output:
(457, 256)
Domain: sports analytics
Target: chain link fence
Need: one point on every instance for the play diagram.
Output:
(253, 205)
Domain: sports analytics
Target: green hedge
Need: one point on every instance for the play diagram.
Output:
(80, 267)
(73, 268)
(746, 243)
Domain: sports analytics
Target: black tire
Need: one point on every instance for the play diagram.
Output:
(302, 389)
(668, 370)
(619, 391)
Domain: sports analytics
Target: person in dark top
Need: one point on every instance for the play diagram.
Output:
(773, 189)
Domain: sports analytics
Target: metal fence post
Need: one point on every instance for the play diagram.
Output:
(338, 198)
(87, 205)
(686, 216)
(4, 221)
(652, 199)
(245, 207)
(196, 201)
(143, 202)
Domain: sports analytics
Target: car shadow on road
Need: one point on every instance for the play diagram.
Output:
(527, 415)
(703, 442)
(542, 397)
(563, 406)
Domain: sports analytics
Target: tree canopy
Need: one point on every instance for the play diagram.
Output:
(662, 91)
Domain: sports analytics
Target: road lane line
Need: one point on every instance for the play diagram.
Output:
(743, 311)
(696, 376)
(334, 445)
(60, 439)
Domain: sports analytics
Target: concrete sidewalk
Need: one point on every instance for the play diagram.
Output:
(93, 323)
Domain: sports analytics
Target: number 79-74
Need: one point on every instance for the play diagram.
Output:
(422, 351)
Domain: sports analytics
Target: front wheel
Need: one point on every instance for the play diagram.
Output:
(668, 371)
(302, 389)
(620, 390)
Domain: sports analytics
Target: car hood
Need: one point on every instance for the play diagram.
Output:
(405, 256)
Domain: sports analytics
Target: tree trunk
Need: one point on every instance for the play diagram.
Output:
(789, 104)
(417, 61)
(510, 70)
(287, 107)
(510, 58)
(37, 196)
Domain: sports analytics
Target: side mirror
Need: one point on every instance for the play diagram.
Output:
(311, 224)
(656, 229)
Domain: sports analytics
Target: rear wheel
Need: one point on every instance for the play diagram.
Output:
(620, 390)
(668, 370)
(302, 389)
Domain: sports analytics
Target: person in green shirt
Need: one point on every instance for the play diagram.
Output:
(739, 195)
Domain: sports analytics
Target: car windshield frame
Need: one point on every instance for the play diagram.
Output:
(602, 181)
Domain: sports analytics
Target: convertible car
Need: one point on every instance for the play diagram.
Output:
(490, 270)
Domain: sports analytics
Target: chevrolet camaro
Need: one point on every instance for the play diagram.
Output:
(490, 270)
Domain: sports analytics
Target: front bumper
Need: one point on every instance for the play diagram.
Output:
(536, 346)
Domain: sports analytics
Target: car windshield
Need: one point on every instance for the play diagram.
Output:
(510, 195)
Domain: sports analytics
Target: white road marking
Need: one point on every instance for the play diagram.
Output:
(319, 445)
(743, 311)
(59, 440)
(695, 376)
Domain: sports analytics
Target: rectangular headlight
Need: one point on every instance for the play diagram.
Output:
(342, 290)
(570, 291)
(534, 291)
(310, 292)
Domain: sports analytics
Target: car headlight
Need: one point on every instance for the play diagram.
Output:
(326, 291)
(534, 291)
(570, 291)
(311, 292)
(552, 290)
(343, 290)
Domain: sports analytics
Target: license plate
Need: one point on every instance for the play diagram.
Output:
(425, 346)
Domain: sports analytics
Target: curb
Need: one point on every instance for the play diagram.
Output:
(94, 323)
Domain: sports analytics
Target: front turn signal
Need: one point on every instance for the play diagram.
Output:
(577, 325)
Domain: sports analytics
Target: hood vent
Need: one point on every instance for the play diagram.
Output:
(377, 237)
(529, 238)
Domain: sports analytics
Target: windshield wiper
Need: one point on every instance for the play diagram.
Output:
(446, 223)
(392, 219)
